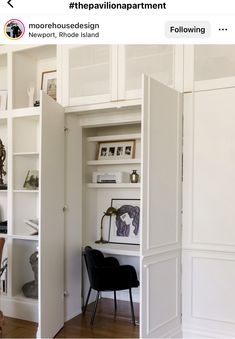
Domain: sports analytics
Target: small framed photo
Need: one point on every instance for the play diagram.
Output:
(3, 100)
(116, 150)
(32, 180)
(124, 227)
(49, 83)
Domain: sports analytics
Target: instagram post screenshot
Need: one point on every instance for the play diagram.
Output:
(117, 169)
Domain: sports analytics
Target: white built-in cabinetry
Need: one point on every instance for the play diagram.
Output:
(95, 74)
(158, 256)
(29, 132)
(32, 136)
(105, 99)
(208, 242)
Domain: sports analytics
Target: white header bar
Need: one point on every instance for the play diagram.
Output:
(110, 22)
(99, 7)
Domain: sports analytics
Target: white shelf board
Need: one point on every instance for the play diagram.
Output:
(21, 297)
(113, 162)
(123, 185)
(19, 237)
(26, 154)
(4, 115)
(116, 137)
(25, 191)
(3, 191)
(153, 55)
(89, 67)
(118, 249)
(25, 112)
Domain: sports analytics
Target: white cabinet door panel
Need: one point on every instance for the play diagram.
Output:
(51, 235)
(161, 205)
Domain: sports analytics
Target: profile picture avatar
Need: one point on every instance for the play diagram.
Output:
(14, 29)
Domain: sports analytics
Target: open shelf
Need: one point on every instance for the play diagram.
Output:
(22, 270)
(103, 138)
(26, 154)
(26, 135)
(113, 162)
(107, 186)
(3, 73)
(26, 191)
(28, 66)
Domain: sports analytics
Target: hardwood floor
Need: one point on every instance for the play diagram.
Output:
(106, 325)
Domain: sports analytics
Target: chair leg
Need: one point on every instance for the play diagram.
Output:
(95, 307)
(132, 308)
(115, 301)
(87, 299)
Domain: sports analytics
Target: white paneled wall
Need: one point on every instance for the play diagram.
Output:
(208, 223)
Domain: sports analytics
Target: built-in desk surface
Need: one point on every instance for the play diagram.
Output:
(118, 249)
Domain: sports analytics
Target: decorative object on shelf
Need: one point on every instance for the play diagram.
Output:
(2, 171)
(30, 92)
(134, 177)
(32, 223)
(49, 83)
(116, 150)
(30, 289)
(125, 224)
(109, 212)
(3, 226)
(31, 180)
(110, 178)
(3, 100)
(37, 103)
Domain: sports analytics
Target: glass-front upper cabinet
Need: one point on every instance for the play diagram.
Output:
(209, 67)
(94, 74)
(156, 61)
(91, 74)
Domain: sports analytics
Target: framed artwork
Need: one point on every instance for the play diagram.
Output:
(3, 100)
(32, 180)
(49, 83)
(116, 150)
(124, 227)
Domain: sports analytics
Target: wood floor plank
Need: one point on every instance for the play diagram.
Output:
(107, 324)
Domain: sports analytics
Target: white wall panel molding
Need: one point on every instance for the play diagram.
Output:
(161, 250)
(204, 333)
(163, 272)
(208, 281)
(208, 248)
(209, 170)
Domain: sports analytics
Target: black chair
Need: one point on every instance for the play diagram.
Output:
(106, 274)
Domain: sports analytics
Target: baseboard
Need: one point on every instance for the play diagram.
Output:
(20, 308)
(175, 333)
(204, 333)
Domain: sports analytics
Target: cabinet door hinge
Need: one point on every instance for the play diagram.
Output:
(66, 129)
(65, 208)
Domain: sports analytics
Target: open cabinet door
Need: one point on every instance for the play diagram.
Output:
(161, 211)
(51, 235)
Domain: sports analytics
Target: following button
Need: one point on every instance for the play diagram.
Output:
(187, 29)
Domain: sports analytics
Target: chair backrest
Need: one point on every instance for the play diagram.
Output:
(93, 259)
